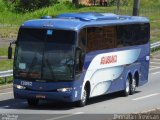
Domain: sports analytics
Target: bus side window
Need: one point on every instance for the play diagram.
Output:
(131, 35)
(100, 38)
(81, 50)
(82, 42)
(79, 60)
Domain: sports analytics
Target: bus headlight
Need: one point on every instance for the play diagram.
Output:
(19, 87)
(64, 89)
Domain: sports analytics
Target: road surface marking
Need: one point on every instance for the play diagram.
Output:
(6, 93)
(155, 59)
(64, 116)
(154, 68)
(147, 96)
(17, 103)
(155, 63)
(156, 73)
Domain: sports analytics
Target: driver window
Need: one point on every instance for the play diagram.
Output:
(80, 52)
(79, 61)
(82, 39)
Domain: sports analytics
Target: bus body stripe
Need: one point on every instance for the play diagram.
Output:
(106, 67)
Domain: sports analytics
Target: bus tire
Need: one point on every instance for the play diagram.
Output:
(32, 102)
(84, 99)
(133, 86)
(126, 91)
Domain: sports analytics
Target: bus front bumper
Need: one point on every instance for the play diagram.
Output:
(70, 96)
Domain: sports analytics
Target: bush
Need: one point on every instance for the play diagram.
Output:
(29, 5)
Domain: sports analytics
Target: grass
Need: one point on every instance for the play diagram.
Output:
(8, 80)
(6, 64)
(4, 51)
(10, 21)
(9, 17)
(8, 31)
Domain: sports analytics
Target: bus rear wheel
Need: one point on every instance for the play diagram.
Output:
(127, 89)
(84, 99)
(32, 102)
(133, 86)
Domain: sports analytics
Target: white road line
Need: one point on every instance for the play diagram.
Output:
(6, 93)
(13, 104)
(155, 63)
(147, 96)
(156, 73)
(64, 116)
(154, 68)
(155, 59)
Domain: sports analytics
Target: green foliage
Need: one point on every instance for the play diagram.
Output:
(6, 65)
(28, 5)
(150, 3)
(2, 6)
(8, 80)
(10, 21)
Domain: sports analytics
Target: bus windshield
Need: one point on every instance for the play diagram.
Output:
(44, 55)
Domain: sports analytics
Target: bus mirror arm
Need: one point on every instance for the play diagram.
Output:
(10, 49)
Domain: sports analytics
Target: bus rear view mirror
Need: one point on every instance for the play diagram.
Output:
(10, 49)
(10, 52)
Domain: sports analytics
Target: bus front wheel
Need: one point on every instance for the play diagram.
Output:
(32, 102)
(84, 99)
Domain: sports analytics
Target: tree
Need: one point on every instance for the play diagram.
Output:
(118, 5)
(28, 5)
(75, 2)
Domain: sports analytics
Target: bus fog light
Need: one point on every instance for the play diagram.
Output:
(19, 87)
(64, 89)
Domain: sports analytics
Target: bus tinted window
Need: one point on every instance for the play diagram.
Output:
(135, 34)
(62, 37)
(107, 37)
(99, 38)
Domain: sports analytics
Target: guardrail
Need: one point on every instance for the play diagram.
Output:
(5, 74)
(8, 73)
(155, 46)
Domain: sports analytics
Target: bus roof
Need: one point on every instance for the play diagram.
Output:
(76, 21)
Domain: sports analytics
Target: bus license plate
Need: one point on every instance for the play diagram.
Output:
(41, 96)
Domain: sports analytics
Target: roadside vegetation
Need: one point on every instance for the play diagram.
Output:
(6, 64)
(4, 81)
(11, 18)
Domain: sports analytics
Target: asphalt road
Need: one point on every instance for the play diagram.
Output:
(147, 97)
